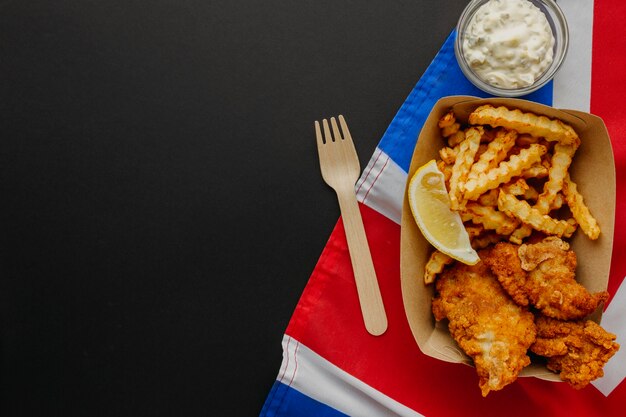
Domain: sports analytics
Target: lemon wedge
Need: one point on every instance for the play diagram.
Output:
(441, 226)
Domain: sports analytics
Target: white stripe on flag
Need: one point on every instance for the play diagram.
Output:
(315, 377)
(381, 186)
(572, 84)
(613, 321)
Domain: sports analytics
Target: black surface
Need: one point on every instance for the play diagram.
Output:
(161, 205)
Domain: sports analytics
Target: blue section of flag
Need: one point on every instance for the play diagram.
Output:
(285, 401)
(442, 78)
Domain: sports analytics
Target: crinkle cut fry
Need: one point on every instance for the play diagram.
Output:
(506, 170)
(448, 125)
(525, 213)
(522, 232)
(456, 138)
(435, 265)
(496, 152)
(445, 169)
(520, 187)
(551, 129)
(580, 211)
(462, 165)
(486, 239)
(535, 171)
(489, 218)
(447, 119)
(490, 198)
(561, 161)
(448, 155)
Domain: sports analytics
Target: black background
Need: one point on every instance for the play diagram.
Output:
(161, 201)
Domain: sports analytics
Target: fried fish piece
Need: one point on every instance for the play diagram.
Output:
(532, 255)
(504, 262)
(550, 284)
(494, 331)
(577, 349)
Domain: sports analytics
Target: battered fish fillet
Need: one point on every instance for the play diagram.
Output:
(577, 349)
(551, 286)
(494, 331)
(503, 261)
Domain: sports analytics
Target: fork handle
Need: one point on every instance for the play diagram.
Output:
(370, 298)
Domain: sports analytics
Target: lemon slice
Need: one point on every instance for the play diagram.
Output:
(430, 205)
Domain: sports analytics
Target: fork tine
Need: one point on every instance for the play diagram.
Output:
(344, 128)
(327, 135)
(318, 135)
(336, 132)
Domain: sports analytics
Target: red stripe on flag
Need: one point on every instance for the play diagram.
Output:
(328, 321)
(608, 91)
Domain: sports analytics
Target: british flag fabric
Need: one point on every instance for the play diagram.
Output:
(332, 367)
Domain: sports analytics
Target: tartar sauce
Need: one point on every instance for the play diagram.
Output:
(508, 43)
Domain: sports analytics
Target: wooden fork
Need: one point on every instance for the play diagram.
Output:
(340, 169)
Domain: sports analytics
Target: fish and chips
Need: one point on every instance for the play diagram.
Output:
(507, 175)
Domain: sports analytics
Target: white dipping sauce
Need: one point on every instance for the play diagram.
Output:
(508, 43)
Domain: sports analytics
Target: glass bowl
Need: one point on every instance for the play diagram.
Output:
(558, 24)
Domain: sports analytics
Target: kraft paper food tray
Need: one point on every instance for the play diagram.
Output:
(593, 170)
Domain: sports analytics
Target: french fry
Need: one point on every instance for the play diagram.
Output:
(574, 225)
(448, 125)
(535, 171)
(540, 126)
(446, 169)
(456, 138)
(521, 210)
(462, 165)
(486, 171)
(512, 167)
(435, 265)
(561, 160)
(580, 211)
(558, 202)
(448, 155)
(525, 140)
(446, 120)
(465, 216)
(496, 152)
(481, 150)
(474, 230)
(450, 130)
(520, 187)
(489, 218)
(520, 234)
(488, 135)
(517, 187)
(490, 198)
(486, 239)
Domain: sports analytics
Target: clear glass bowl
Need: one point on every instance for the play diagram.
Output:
(558, 24)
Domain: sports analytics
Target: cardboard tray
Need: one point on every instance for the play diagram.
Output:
(592, 169)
